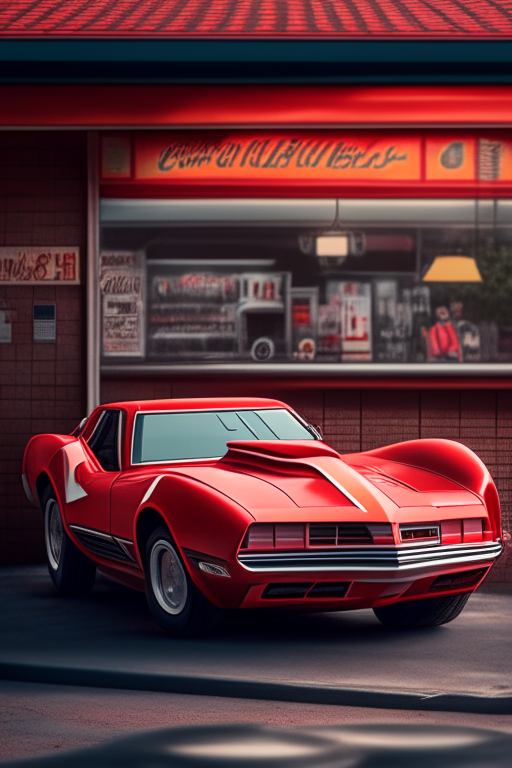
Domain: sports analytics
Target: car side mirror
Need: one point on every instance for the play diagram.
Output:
(318, 430)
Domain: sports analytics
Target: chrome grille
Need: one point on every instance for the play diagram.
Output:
(373, 558)
(336, 534)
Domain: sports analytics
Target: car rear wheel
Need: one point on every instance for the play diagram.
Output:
(71, 571)
(174, 600)
(422, 613)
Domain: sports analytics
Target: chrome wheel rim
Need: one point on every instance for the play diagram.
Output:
(168, 578)
(54, 533)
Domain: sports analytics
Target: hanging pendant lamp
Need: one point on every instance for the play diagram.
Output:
(453, 269)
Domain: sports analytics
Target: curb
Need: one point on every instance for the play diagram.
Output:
(500, 704)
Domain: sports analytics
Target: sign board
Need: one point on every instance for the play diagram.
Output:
(313, 156)
(240, 156)
(40, 265)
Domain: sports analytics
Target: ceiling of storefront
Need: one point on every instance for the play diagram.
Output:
(258, 18)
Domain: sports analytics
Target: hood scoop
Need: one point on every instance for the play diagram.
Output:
(286, 450)
(291, 455)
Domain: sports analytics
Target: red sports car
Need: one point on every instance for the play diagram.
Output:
(225, 503)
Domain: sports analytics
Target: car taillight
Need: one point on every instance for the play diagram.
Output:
(264, 536)
(472, 530)
(381, 533)
(279, 536)
(466, 531)
(419, 533)
(289, 536)
(259, 537)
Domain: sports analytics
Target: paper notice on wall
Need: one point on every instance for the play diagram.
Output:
(122, 296)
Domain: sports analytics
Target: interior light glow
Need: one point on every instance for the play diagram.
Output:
(332, 245)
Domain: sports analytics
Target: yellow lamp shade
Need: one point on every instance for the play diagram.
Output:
(453, 269)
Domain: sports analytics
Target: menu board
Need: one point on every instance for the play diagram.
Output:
(122, 296)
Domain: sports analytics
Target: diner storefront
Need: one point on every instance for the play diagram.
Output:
(392, 256)
(351, 260)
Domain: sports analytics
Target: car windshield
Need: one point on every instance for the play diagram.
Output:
(203, 434)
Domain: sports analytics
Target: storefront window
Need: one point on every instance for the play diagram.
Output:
(393, 282)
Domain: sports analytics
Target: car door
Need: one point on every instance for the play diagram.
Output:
(93, 466)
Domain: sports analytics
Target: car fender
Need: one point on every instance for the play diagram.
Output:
(199, 518)
(452, 460)
(41, 457)
(197, 515)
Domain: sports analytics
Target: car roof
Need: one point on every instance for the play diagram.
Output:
(196, 403)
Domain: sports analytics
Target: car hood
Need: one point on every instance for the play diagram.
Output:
(288, 480)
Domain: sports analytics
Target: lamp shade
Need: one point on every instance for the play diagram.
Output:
(453, 269)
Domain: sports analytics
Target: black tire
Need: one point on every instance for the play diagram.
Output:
(71, 571)
(422, 613)
(174, 600)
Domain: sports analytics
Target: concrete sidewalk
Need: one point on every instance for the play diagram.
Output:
(109, 639)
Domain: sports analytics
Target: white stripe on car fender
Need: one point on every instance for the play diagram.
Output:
(151, 488)
(73, 456)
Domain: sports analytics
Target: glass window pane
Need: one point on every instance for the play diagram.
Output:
(284, 425)
(417, 282)
(171, 436)
(181, 436)
(258, 426)
(104, 442)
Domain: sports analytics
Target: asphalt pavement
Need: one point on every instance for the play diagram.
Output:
(38, 720)
(109, 639)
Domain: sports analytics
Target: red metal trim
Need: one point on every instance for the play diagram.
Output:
(197, 106)
(253, 384)
(299, 189)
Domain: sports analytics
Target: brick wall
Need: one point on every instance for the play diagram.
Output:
(43, 201)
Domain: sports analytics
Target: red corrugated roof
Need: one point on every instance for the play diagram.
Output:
(258, 18)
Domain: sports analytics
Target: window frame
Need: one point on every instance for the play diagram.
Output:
(119, 450)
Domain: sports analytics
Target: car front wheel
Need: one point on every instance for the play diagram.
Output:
(174, 600)
(422, 613)
(71, 571)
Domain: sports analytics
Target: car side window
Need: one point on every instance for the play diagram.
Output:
(104, 441)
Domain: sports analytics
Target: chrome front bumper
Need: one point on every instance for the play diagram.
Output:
(390, 559)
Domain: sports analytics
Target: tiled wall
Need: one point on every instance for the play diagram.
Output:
(43, 201)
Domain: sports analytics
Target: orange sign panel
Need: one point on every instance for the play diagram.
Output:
(451, 158)
(463, 158)
(238, 156)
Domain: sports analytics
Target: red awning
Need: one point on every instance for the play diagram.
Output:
(257, 18)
